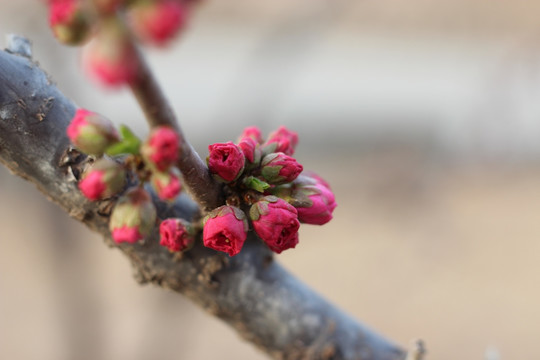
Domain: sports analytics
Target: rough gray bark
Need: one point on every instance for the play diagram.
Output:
(251, 292)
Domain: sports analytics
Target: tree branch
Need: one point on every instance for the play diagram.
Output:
(252, 293)
(205, 191)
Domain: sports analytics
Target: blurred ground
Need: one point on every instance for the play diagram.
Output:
(424, 117)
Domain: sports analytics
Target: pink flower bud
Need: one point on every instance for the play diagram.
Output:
(249, 142)
(133, 217)
(252, 132)
(319, 206)
(225, 229)
(166, 184)
(104, 179)
(316, 178)
(175, 234)
(110, 58)
(311, 196)
(157, 22)
(69, 22)
(91, 133)
(276, 223)
(278, 168)
(129, 234)
(226, 161)
(161, 148)
(282, 140)
(251, 150)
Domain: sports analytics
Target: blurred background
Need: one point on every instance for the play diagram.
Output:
(422, 115)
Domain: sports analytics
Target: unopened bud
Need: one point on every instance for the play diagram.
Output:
(111, 57)
(278, 168)
(133, 217)
(313, 199)
(225, 229)
(275, 222)
(157, 22)
(176, 234)
(103, 179)
(91, 133)
(226, 161)
(252, 132)
(161, 148)
(311, 176)
(251, 150)
(167, 184)
(282, 140)
(69, 22)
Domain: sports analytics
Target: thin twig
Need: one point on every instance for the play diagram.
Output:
(198, 181)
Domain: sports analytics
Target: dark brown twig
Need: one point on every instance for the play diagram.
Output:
(200, 184)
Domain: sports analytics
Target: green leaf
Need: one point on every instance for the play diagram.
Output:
(256, 184)
(127, 134)
(129, 144)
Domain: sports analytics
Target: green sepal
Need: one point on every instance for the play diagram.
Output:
(270, 198)
(271, 173)
(130, 143)
(238, 213)
(225, 210)
(300, 198)
(261, 207)
(268, 148)
(282, 191)
(134, 209)
(254, 212)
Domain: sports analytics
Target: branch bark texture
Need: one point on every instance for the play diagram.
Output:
(251, 292)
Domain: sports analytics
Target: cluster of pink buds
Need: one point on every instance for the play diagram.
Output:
(109, 58)
(134, 214)
(268, 189)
